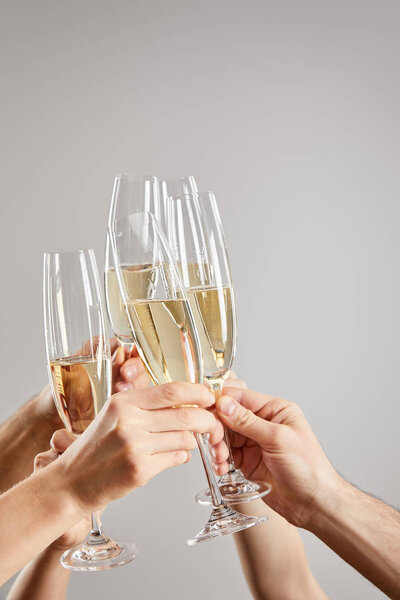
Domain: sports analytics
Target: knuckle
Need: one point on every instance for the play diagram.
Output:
(39, 461)
(277, 435)
(172, 391)
(187, 440)
(180, 457)
(296, 408)
(120, 434)
(136, 470)
(291, 410)
(245, 418)
(242, 384)
(185, 417)
(115, 405)
(210, 422)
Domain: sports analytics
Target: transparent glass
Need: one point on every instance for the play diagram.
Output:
(79, 366)
(165, 332)
(130, 195)
(173, 187)
(198, 244)
(176, 187)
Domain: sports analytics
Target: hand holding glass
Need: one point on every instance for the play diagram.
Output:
(198, 244)
(164, 329)
(79, 364)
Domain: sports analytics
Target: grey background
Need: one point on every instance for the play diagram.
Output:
(290, 112)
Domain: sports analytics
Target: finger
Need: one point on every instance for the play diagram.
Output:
(118, 358)
(61, 440)
(235, 383)
(134, 352)
(132, 369)
(114, 345)
(166, 460)
(167, 441)
(179, 419)
(237, 456)
(217, 434)
(142, 382)
(219, 452)
(244, 421)
(221, 469)
(236, 440)
(122, 386)
(262, 404)
(171, 395)
(45, 458)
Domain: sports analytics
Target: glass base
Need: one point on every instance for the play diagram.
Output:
(93, 555)
(235, 488)
(224, 520)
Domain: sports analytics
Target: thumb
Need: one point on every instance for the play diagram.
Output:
(244, 421)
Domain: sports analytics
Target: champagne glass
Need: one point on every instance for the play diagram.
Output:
(176, 187)
(163, 327)
(173, 187)
(79, 366)
(129, 196)
(198, 244)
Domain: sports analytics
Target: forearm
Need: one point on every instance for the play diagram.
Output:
(32, 515)
(24, 435)
(43, 577)
(274, 560)
(364, 531)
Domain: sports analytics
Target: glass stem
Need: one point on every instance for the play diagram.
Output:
(96, 532)
(217, 391)
(212, 482)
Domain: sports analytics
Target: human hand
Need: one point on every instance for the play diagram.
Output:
(78, 532)
(136, 435)
(128, 370)
(234, 381)
(273, 442)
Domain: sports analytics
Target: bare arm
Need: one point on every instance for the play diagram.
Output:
(129, 442)
(273, 558)
(364, 531)
(37, 510)
(272, 555)
(44, 577)
(42, 574)
(24, 435)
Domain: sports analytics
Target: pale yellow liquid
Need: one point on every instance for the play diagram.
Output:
(165, 334)
(138, 279)
(214, 314)
(81, 386)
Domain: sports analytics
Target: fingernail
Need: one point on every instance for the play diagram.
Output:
(123, 387)
(213, 452)
(226, 406)
(212, 398)
(130, 371)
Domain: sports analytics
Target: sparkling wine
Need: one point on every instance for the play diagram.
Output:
(81, 386)
(166, 336)
(214, 314)
(137, 279)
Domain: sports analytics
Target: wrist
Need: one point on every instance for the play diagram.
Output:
(58, 493)
(52, 553)
(327, 503)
